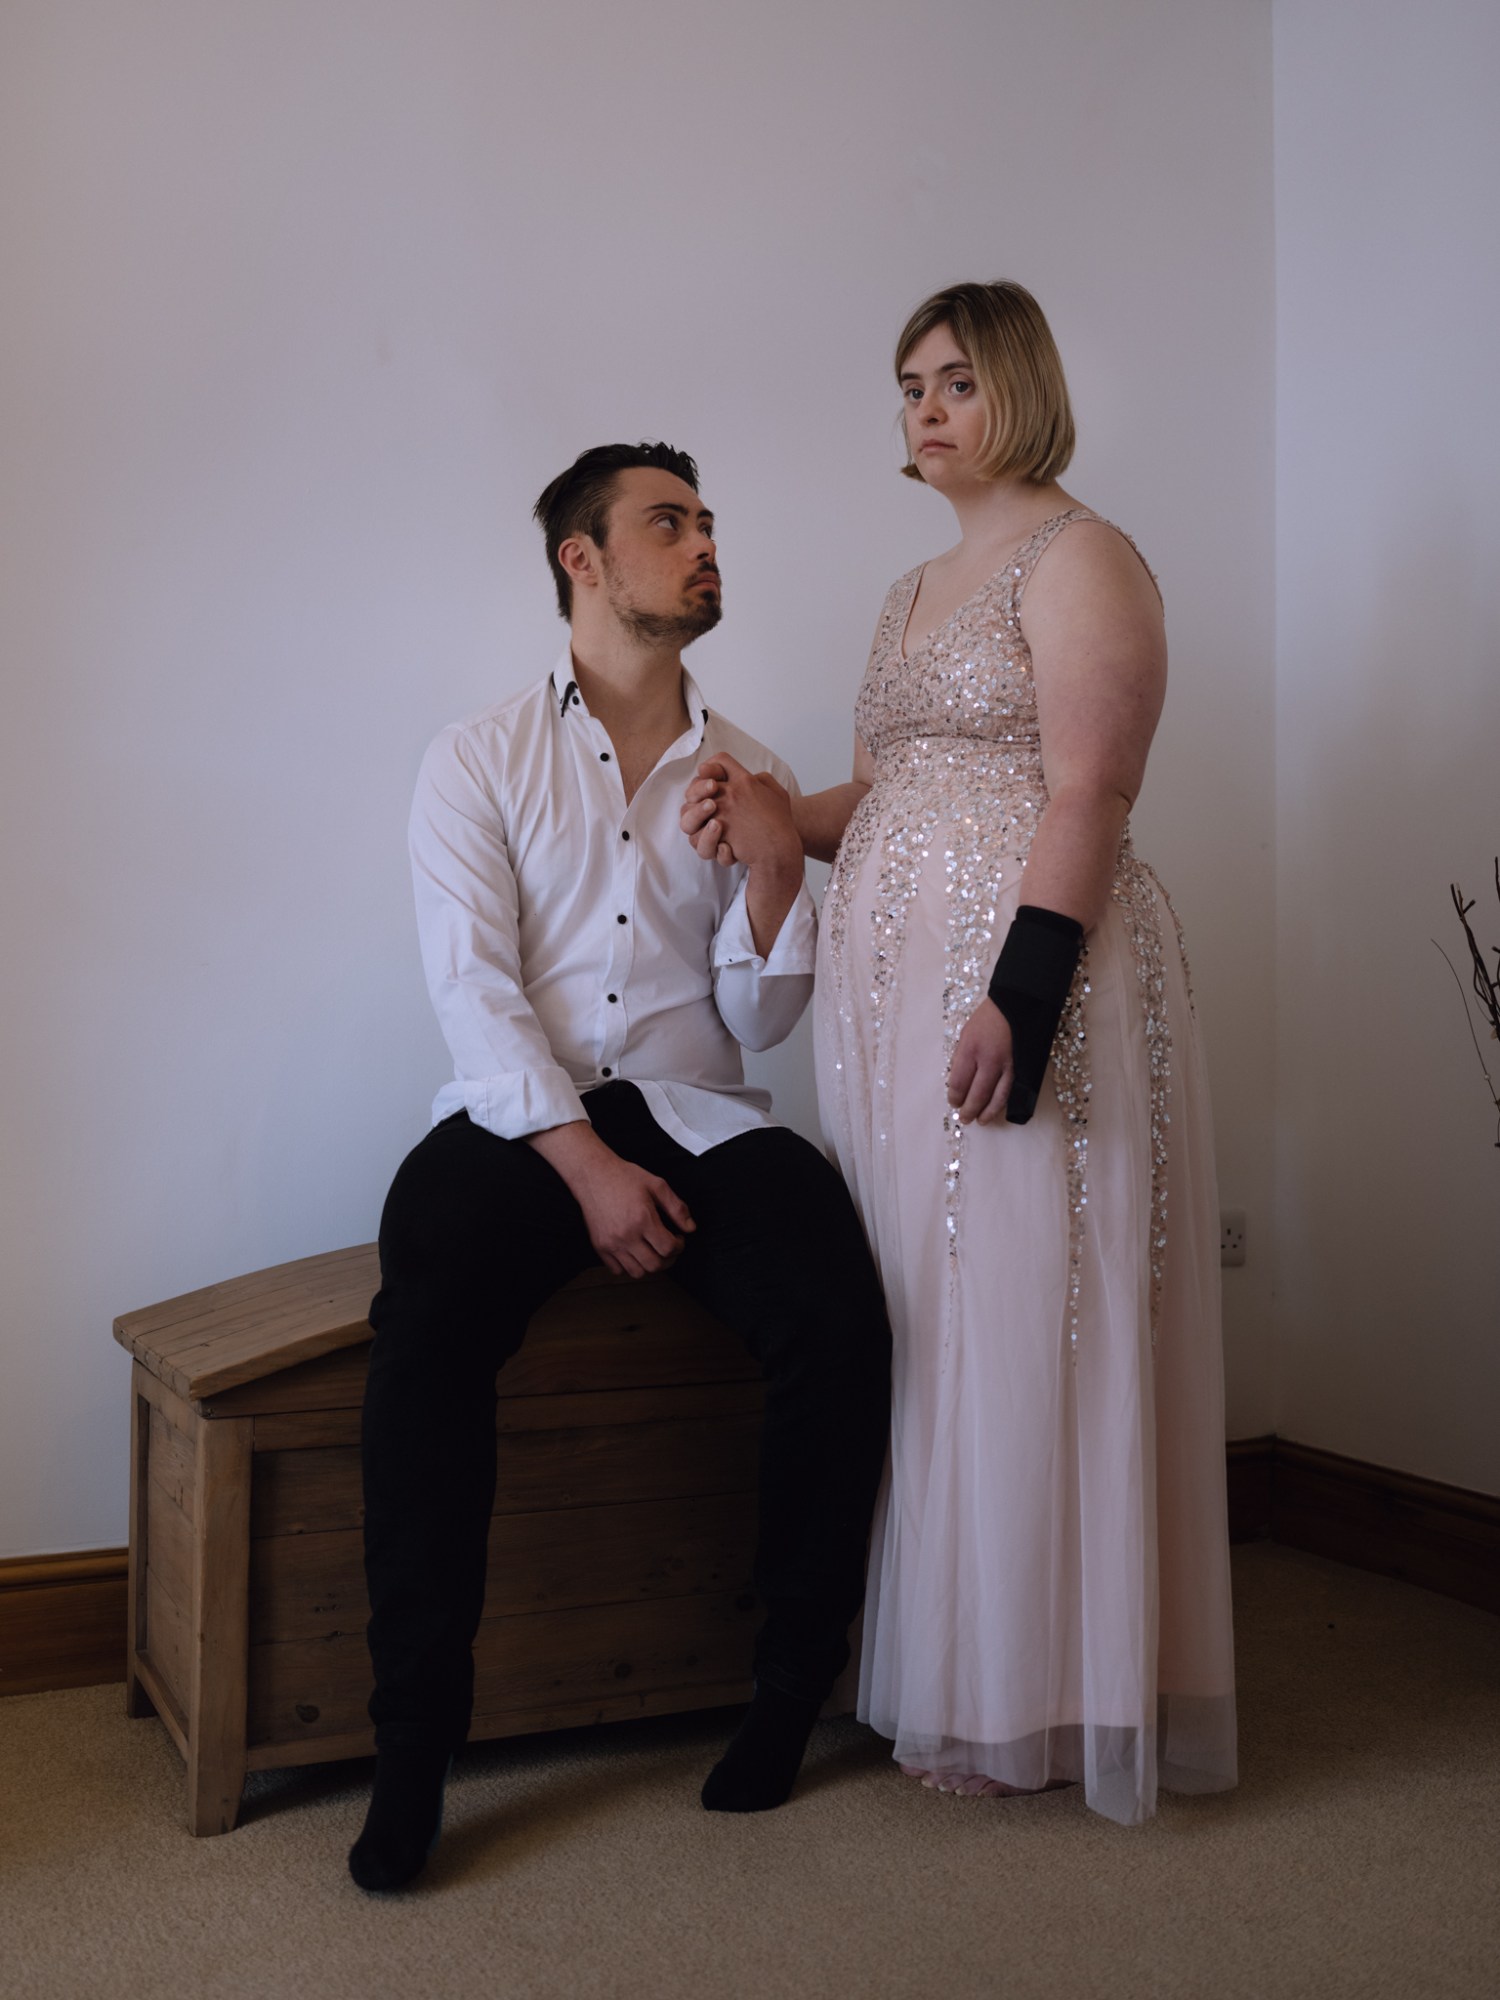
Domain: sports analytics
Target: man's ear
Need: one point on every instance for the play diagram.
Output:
(580, 561)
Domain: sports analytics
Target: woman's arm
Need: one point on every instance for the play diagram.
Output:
(821, 817)
(1093, 622)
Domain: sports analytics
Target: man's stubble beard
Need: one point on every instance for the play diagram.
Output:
(662, 628)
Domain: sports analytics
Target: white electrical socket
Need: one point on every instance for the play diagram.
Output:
(1231, 1236)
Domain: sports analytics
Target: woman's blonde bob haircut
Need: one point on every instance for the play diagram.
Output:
(1007, 341)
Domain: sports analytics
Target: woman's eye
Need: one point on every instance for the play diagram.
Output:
(913, 393)
(960, 386)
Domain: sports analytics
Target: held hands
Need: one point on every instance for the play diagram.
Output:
(731, 814)
(983, 1067)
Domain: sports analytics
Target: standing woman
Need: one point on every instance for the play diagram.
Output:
(1010, 1076)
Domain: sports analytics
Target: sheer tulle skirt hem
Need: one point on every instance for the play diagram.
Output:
(1189, 1749)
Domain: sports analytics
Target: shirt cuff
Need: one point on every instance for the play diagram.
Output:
(795, 950)
(516, 1103)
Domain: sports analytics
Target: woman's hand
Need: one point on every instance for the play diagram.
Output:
(983, 1067)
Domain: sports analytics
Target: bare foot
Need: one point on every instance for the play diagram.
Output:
(974, 1785)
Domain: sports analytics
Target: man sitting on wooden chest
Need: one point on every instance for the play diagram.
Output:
(595, 980)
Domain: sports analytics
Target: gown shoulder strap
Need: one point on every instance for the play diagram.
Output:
(1025, 559)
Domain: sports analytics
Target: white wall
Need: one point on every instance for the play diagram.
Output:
(1388, 727)
(303, 304)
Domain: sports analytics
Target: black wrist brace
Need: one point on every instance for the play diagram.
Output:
(1029, 985)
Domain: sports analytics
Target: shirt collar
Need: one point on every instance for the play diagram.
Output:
(569, 700)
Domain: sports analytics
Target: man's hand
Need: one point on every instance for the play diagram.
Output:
(983, 1067)
(635, 1221)
(699, 816)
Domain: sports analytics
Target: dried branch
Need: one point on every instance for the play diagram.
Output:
(1485, 985)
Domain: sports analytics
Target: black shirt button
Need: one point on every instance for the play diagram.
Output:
(621, 918)
(613, 998)
(603, 756)
(606, 1071)
(625, 835)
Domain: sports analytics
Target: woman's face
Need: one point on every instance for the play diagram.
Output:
(944, 410)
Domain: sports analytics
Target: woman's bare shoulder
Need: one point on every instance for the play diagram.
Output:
(1090, 551)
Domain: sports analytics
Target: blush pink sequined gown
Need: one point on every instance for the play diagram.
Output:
(1049, 1577)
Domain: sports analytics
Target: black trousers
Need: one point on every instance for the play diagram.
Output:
(477, 1232)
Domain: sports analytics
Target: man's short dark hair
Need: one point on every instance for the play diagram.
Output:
(577, 502)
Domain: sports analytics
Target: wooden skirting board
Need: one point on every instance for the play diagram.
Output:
(1443, 1538)
(62, 1621)
(62, 1618)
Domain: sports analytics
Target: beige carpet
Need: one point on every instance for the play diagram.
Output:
(1360, 1856)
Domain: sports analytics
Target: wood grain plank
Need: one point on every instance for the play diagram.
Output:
(629, 1707)
(137, 1700)
(167, 1640)
(177, 1410)
(233, 1308)
(601, 1466)
(564, 1663)
(169, 1549)
(245, 1326)
(351, 1266)
(313, 1586)
(219, 1636)
(304, 1492)
(672, 1402)
(164, 1703)
(172, 1463)
(329, 1382)
(279, 1428)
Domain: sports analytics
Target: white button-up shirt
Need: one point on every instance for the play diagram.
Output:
(569, 938)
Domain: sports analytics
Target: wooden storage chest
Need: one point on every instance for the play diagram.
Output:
(620, 1549)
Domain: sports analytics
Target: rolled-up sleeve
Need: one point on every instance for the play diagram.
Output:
(467, 919)
(761, 999)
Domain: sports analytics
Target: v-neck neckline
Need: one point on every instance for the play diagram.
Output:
(903, 654)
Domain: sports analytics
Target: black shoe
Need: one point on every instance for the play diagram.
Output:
(757, 1771)
(405, 1818)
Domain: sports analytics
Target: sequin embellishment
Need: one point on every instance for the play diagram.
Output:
(958, 795)
(1134, 894)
